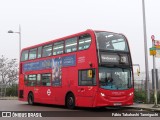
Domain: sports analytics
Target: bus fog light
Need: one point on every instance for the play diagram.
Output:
(130, 93)
(102, 94)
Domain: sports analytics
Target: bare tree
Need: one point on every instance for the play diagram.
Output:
(8, 71)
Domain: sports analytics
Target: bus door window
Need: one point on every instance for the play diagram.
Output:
(85, 79)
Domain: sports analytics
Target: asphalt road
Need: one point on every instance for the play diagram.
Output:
(15, 105)
(60, 112)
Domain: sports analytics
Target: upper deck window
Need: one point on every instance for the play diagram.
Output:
(24, 55)
(58, 48)
(47, 50)
(32, 53)
(111, 41)
(84, 42)
(71, 45)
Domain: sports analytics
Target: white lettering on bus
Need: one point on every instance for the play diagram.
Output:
(108, 58)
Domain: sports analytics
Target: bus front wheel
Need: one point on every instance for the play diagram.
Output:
(70, 101)
(30, 99)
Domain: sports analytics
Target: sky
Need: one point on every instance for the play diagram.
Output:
(44, 20)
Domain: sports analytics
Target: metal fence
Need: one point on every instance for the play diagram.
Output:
(139, 85)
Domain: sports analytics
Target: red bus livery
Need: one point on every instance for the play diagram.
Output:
(87, 69)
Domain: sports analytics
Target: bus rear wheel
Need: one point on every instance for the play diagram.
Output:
(30, 99)
(70, 101)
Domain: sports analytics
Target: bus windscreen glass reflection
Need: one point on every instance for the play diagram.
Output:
(115, 78)
(111, 41)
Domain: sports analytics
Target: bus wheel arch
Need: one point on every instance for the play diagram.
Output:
(70, 100)
(30, 98)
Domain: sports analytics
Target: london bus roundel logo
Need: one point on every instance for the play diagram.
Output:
(48, 92)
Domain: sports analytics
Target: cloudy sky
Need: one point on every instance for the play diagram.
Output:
(43, 20)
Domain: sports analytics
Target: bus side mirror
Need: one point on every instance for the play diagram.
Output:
(90, 73)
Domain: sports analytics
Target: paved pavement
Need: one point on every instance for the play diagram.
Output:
(8, 98)
(145, 106)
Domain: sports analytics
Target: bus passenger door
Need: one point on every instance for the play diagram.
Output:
(86, 87)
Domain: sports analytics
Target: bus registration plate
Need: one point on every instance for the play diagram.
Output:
(117, 104)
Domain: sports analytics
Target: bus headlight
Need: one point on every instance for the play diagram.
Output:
(130, 93)
(102, 94)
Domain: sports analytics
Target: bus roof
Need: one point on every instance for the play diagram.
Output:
(63, 38)
(58, 39)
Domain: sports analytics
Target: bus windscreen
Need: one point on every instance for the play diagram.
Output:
(111, 41)
(115, 78)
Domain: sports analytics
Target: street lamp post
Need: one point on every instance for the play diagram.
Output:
(146, 52)
(19, 33)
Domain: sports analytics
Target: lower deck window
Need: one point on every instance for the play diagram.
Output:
(46, 79)
(31, 81)
(38, 80)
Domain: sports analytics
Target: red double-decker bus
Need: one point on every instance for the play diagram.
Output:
(87, 69)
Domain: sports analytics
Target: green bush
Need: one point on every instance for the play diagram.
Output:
(139, 96)
(12, 91)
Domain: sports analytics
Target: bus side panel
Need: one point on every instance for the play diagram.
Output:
(86, 98)
(69, 83)
(87, 59)
(84, 101)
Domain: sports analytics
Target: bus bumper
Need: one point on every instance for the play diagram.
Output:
(113, 98)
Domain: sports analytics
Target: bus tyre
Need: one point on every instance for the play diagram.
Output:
(30, 99)
(70, 101)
